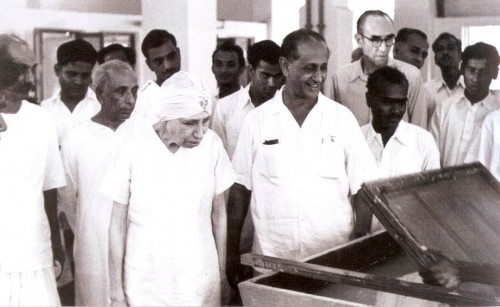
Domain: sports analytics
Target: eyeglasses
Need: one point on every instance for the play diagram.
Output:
(377, 40)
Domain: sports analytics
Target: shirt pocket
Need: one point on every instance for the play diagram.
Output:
(277, 159)
(331, 160)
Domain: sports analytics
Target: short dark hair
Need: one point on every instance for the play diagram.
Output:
(362, 19)
(293, 39)
(384, 75)
(404, 34)
(76, 50)
(229, 46)
(266, 50)
(446, 35)
(155, 38)
(482, 51)
(129, 53)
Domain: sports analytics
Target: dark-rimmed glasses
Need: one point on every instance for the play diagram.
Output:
(377, 40)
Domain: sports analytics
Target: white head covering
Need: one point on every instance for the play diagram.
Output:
(183, 95)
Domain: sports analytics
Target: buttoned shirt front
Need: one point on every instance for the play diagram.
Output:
(440, 91)
(349, 88)
(229, 114)
(456, 123)
(66, 120)
(410, 150)
(301, 177)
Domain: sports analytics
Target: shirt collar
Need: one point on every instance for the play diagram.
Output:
(357, 70)
(89, 95)
(442, 83)
(277, 105)
(400, 135)
(490, 102)
(244, 96)
(148, 84)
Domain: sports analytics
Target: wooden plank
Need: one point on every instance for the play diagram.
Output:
(368, 281)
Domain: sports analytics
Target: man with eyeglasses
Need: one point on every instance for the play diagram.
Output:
(376, 37)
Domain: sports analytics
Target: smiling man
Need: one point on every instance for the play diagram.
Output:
(457, 121)
(86, 153)
(299, 158)
(375, 35)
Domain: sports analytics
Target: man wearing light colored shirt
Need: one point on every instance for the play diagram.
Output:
(399, 148)
(447, 55)
(457, 121)
(376, 37)
(266, 77)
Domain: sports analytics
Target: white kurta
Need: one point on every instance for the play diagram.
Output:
(86, 154)
(488, 152)
(456, 124)
(171, 257)
(439, 92)
(301, 177)
(146, 104)
(29, 164)
(228, 117)
(410, 150)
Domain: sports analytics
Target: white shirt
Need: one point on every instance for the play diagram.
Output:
(488, 152)
(146, 103)
(301, 177)
(171, 256)
(86, 154)
(66, 120)
(456, 123)
(411, 149)
(439, 92)
(229, 114)
(29, 164)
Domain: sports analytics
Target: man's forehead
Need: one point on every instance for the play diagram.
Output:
(21, 54)
(378, 25)
(312, 49)
(415, 39)
(477, 63)
(226, 55)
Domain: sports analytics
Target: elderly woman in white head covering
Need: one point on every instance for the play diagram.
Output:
(168, 227)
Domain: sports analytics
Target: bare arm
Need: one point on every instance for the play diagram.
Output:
(219, 228)
(117, 240)
(238, 203)
(50, 200)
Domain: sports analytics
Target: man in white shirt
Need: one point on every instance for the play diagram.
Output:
(300, 157)
(375, 35)
(228, 63)
(266, 77)
(411, 46)
(86, 154)
(163, 57)
(30, 171)
(447, 55)
(399, 148)
(457, 121)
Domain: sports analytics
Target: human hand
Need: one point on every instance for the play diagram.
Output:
(59, 259)
(442, 271)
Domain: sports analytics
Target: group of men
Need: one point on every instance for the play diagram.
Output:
(299, 158)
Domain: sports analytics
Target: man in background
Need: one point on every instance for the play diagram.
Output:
(228, 63)
(411, 46)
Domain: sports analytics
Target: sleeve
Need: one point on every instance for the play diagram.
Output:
(68, 195)
(486, 153)
(224, 174)
(418, 100)
(360, 163)
(244, 154)
(431, 153)
(218, 124)
(434, 127)
(116, 181)
(54, 174)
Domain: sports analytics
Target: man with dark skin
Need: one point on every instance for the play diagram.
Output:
(228, 64)
(293, 153)
(29, 165)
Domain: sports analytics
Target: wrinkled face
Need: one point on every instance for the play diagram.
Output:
(306, 75)
(266, 79)
(22, 55)
(74, 79)
(118, 96)
(477, 78)
(413, 51)
(188, 132)
(226, 68)
(388, 106)
(447, 53)
(116, 55)
(376, 27)
(164, 61)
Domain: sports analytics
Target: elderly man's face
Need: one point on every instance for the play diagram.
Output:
(388, 106)
(118, 96)
(413, 51)
(375, 27)
(24, 57)
(306, 75)
(188, 132)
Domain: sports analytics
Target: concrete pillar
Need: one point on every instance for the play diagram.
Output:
(337, 31)
(194, 25)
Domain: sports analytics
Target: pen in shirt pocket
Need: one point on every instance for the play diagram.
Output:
(328, 138)
(271, 142)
